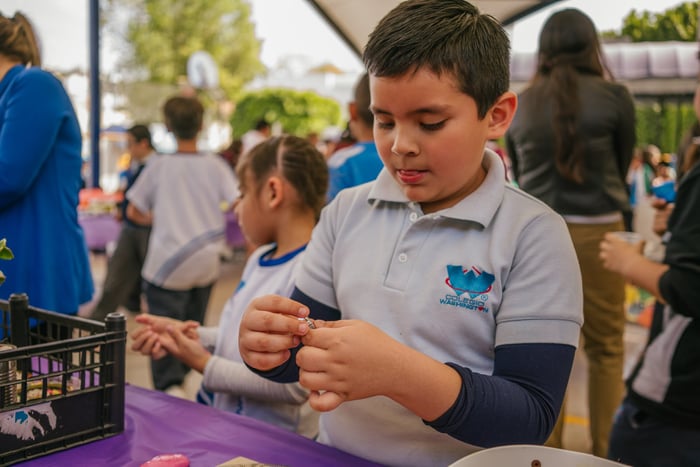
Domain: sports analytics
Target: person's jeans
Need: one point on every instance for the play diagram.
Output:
(178, 304)
(642, 440)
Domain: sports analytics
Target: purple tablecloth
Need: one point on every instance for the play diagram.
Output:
(99, 229)
(156, 423)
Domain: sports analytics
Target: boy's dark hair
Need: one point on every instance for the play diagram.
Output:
(299, 162)
(141, 133)
(444, 36)
(363, 100)
(261, 124)
(183, 116)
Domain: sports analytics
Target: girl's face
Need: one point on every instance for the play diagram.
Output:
(251, 211)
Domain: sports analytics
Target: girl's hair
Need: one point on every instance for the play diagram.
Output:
(18, 41)
(297, 160)
(568, 47)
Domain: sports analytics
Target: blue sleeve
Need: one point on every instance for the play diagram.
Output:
(289, 371)
(32, 118)
(518, 404)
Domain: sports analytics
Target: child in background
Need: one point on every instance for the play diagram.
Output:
(283, 184)
(359, 163)
(448, 303)
(180, 196)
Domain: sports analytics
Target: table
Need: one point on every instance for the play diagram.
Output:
(156, 423)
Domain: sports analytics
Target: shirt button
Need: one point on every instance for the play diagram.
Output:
(403, 257)
(413, 216)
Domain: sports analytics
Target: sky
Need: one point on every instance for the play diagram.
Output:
(62, 28)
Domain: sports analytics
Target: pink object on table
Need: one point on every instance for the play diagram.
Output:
(168, 460)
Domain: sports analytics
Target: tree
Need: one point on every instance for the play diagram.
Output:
(163, 34)
(679, 23)
(298, 112)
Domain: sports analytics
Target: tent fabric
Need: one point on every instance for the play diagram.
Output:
(651, 69)
(354, 20)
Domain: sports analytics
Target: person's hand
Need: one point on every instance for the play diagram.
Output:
(662, 213)
(189, 351)
(618, 255)
(347, 360)
(269, 328)
(147, 338)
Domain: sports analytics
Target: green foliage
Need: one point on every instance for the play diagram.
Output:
(663, 123)
(5, 253)
(164, 33)
(679, 23)
(299, 112)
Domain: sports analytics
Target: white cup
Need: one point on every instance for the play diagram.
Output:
(633, 238)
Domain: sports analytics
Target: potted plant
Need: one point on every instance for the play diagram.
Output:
(5, 253)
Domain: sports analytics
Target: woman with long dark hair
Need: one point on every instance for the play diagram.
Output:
(570, 144)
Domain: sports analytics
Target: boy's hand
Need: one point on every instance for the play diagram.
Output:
(618, 255)
(189, 351)
(347, 360)
(269, 329)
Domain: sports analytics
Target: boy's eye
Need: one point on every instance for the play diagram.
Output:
(384, 125)
(433, 126)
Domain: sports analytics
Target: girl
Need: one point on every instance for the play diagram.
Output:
(283, 182)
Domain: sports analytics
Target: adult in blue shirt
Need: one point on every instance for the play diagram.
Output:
(40, 145)
(359, 163)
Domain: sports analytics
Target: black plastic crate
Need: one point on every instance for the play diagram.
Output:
(69, 380)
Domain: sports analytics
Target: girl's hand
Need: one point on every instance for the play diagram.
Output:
(347, 360)
(189, 351)
(147, 338)
(269, 329)
(618, 255)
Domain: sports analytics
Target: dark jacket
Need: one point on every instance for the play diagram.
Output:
(607, 126)
(666, 382)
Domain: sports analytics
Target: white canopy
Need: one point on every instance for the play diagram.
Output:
(354, 20)
(653, 69)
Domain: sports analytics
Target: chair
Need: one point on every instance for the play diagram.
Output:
(525, 455)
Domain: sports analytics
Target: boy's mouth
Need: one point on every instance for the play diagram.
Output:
(410, 176)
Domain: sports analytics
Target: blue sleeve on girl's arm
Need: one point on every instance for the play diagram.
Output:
(288, 372)
(518, 404)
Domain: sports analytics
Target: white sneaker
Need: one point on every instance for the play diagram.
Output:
(176, 391)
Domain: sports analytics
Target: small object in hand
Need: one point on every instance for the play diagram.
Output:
(168, 460)
(309, 321)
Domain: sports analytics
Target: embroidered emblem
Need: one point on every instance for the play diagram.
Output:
(473, 282)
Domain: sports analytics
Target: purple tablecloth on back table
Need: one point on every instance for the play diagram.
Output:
(156, 423)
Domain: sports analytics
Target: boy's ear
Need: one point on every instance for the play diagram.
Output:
(275, 191)
(501, 114)
(352, 110)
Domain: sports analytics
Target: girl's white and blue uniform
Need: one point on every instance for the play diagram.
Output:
(236, 388)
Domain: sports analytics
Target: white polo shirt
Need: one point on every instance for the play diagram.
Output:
(184, 192)
(497, 268)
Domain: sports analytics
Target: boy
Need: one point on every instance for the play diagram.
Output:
(122, 284)
(359, 163)
(182, 193)
(456, 326)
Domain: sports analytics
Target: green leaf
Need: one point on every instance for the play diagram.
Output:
(5, 253)
(2, 277)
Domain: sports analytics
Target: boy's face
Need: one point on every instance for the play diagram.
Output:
(430, 138)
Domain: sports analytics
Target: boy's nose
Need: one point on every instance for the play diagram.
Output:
(404, 145)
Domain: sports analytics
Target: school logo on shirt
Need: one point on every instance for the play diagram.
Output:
(471, 286)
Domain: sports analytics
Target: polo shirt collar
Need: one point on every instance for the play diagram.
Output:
(480, 206)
